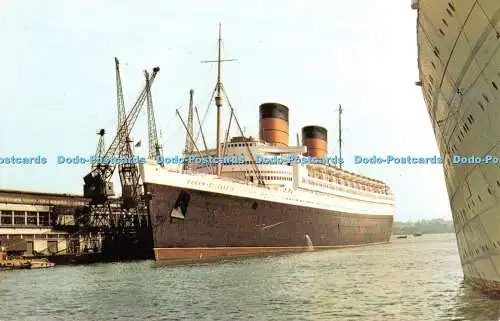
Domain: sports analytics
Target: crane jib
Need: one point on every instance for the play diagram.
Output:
(117, 146)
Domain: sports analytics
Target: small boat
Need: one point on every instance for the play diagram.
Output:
(20, 263)
(402, 236)
(417, 234)
(41, 264)
(14, 264)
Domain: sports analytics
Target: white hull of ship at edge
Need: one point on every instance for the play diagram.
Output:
(459, 64)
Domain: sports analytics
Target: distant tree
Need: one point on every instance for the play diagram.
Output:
(432, 226)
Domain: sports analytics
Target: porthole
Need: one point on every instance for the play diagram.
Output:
(436, 52)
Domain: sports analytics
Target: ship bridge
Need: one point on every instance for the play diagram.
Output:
(251, 151)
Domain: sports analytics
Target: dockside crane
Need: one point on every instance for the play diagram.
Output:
(100, 147)
(120, 103)
(129, 173)
(122, 227)
(155, 149)
(96, 183)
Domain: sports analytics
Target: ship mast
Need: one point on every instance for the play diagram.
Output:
(218, 98)
(340, 136)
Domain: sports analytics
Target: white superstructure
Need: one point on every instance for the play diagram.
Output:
(316, 186)
(459, 62)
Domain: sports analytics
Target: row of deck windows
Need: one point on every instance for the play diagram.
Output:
(348, 184)
(241, 144)
(381, 193)
(274, 178)
(481, 249)
(462, 216)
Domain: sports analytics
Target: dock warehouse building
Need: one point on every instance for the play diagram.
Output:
(26, 220)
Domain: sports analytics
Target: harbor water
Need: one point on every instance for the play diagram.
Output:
(418, 278)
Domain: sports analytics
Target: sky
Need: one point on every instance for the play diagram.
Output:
(58, 82)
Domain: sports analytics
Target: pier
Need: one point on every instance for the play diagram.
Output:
(60, 227)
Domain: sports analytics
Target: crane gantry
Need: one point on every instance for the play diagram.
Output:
(129, 211)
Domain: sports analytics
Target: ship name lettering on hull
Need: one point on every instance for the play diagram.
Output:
(210, 185)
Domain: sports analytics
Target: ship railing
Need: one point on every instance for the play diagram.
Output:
(353, 205)
(225, 179)
(333, 186)
(195, 173)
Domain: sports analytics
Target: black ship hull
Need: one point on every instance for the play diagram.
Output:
(192, 224)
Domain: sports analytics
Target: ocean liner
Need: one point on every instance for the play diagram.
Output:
(459, 63)
(251, 207)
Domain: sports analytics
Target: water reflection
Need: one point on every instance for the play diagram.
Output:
(473, 305)
(412, 280)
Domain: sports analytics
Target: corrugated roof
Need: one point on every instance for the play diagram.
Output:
(12, 191)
